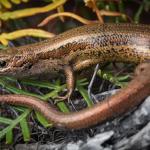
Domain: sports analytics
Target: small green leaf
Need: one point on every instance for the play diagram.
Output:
(62, 106)
(5, 120)
(25, 129)
(14, 123)
(9, 137)
(85, 95)
(42, 120)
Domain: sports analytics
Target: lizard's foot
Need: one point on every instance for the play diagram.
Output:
(70, 84)
(63, 98)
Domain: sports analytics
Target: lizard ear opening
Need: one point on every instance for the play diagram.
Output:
(28, 65)
(2, 63)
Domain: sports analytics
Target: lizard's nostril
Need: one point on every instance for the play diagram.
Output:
(2, 63)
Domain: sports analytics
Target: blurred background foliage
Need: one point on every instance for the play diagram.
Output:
(27, 21)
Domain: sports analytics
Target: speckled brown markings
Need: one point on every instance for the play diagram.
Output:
(78, 48)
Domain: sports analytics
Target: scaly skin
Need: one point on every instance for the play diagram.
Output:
(77, 49)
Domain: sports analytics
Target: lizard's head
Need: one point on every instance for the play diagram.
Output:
(25, 64)
(12, 63)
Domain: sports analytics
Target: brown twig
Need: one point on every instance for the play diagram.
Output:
(67, 14)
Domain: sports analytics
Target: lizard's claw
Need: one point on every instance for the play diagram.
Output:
(63, 98)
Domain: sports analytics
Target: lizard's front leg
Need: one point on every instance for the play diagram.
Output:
(70, 81)
(70, 78)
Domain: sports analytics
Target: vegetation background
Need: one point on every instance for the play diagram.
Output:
(28, 21)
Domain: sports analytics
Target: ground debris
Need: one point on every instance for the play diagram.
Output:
(131, 131)
(94, 143)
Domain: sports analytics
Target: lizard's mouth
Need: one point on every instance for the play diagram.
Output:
(24, 70)
(5, 70)
(10, 70)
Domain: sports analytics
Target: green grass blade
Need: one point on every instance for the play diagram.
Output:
(5, 120)
(42, 120)
(9, 137)
(14, 123)
(41, 84)
(84, 93)
(62, 106)
(25, 129)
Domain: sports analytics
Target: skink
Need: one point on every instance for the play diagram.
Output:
(78, 49)
(75, 50)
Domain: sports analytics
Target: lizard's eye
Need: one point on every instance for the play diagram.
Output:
(2, 63)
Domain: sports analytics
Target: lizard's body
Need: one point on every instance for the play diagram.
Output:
(80, 48)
